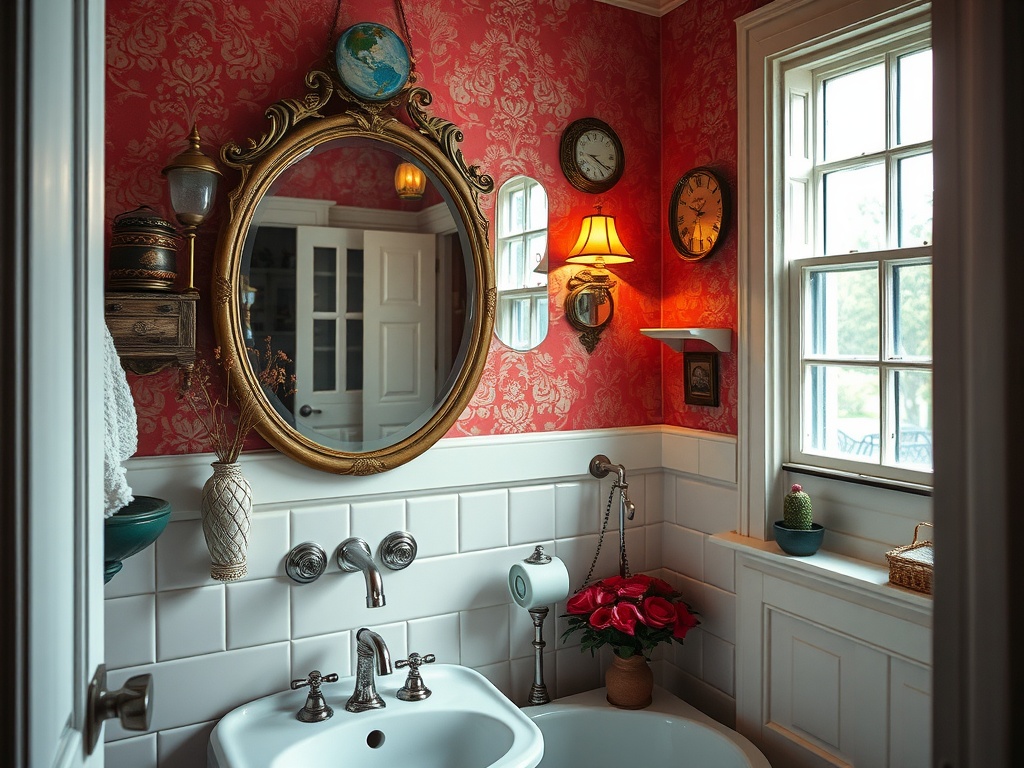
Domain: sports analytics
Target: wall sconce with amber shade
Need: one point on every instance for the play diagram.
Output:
(589, 307)
(192, 177)
(410, 181)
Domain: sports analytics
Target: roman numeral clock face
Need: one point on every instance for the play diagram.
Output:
(697, 213)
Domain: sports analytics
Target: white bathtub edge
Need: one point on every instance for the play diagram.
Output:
(664, 703)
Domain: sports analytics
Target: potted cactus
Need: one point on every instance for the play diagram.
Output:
(797, 533)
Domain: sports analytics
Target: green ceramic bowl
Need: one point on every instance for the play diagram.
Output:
(799, 542)
(131, 529)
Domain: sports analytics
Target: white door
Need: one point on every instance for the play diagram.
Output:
(328, 395)
(51, 526)
(399, 331)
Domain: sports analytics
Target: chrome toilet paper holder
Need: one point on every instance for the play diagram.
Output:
(538, 690)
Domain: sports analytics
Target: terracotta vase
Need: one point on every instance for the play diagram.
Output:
(227, 514)
(629, 682)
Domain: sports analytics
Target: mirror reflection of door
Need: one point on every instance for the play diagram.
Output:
(399, 331)
(361, 331)
(329, 326)
(522, 263)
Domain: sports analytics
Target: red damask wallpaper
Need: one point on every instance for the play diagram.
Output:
(512, 74)
(699, 128)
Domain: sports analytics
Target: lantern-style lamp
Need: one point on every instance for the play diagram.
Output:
(410, 181)
(192, 177)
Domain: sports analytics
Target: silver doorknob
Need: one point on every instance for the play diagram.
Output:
(307, 411)
(129, 704)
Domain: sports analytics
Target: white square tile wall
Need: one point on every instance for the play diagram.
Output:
(190, 622)
(434, 522)
(531, 514)
(324, 524)
(258, 612)
(372, 521)
(131, 753)
(438, 635)
(483, 636)
(483, 520)
(212, 647)
(130, 629)
(328, 653)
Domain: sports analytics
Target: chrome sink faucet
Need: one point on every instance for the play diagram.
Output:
(365, 696)
(354, 555)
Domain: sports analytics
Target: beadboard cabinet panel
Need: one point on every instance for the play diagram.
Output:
(829, 675)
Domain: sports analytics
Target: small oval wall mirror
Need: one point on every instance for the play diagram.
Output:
(522, 263)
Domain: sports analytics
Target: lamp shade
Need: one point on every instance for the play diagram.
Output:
(542, 263)
(599, 242)
(410, 182)
(192, 178)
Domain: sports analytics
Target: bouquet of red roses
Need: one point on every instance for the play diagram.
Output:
(632, 614)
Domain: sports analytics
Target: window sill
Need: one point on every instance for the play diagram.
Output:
(867, 579)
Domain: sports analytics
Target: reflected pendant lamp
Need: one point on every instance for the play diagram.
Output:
(410, 181)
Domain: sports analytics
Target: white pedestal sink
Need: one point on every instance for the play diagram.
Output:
(465, 723)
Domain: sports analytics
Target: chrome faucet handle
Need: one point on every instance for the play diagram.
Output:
(414, 689)
(316, 709)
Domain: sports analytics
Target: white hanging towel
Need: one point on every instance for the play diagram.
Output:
(121, 429)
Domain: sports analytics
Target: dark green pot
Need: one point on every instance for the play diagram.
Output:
(131, 529)
(795, 541)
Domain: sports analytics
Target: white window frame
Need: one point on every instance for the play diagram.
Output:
(866, 516)
(806, 168)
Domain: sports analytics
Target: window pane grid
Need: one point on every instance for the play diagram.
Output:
(520, 249)
(865, 210)
(856, 227)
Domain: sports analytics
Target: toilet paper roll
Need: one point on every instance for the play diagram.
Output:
(533, 585)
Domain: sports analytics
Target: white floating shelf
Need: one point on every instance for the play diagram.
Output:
(719, 338)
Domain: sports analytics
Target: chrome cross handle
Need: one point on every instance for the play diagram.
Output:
(316, 709)
(414, 689)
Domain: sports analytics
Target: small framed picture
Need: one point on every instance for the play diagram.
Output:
(700, 370)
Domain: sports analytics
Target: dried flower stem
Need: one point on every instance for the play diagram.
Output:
(226, 436)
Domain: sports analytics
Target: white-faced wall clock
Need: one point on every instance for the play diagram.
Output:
(591, 155)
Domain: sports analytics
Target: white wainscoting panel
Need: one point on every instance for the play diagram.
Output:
(476, 505)
(830, 671)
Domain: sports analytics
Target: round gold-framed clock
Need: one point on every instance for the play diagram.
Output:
(698, 212)
(591, 155)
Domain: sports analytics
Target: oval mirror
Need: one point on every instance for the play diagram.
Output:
(521, 263)
(384, 304)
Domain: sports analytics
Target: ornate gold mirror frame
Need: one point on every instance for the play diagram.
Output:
(328, 113)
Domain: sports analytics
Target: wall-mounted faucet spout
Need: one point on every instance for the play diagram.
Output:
(601, 466)
(354, 555)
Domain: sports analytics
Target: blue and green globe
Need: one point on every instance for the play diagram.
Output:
(372, 61)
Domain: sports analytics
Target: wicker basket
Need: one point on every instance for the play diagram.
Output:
(911, 566)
